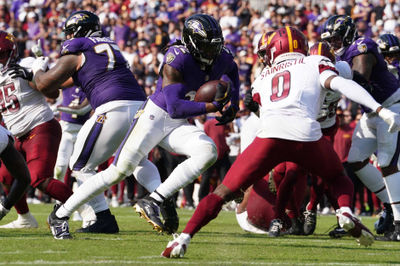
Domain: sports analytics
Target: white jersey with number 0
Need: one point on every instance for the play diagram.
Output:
(22, 107)
(291, 94)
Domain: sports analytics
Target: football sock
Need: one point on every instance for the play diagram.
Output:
(147, 175)
(207, 210)
(182, 175)
(393, 190)
(342, 189)
(58, 190)
(89, 189)
(22, 206)
(372, 179)
(103, 214)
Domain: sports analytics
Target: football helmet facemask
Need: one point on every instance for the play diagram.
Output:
(340, 31)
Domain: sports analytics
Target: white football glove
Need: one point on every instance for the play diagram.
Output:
(37, 49)
(41, 63)
(3, 210)
(391, 118)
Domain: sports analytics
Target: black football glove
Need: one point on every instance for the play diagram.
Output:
(222, 97)
(249, 102)
(228, 115)
(17, 71)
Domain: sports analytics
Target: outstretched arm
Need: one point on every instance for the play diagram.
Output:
(52, 80)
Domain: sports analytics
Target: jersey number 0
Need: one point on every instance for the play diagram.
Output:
(280, 86)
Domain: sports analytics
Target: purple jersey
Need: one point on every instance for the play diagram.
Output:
(396, 64)
(104, 75)
(73, 96)
(179, 58)
(383, 82)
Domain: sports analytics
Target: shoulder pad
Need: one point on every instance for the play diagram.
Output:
(226, 50)
(74, 46)
(364, 45)
(176, 53)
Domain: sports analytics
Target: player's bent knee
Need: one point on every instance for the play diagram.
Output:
(355, 166)
(206, 156)
(112, 175)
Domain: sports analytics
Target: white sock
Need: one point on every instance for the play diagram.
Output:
(182, 175)
(88, 190)
(98, 203)
(373, 180)
(393, 188)
(147, 175)
(346, 209)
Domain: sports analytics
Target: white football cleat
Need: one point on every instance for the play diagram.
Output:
(177, 247)
(25, 220)
(355, 228)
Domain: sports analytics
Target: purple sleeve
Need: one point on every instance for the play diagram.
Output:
(74, 46)
(234, 77)
(177, 107)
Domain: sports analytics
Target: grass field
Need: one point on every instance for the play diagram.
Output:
(221, 242)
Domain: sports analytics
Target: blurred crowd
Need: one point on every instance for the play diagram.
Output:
(142, 28)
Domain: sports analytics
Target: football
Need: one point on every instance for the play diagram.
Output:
(206, 93)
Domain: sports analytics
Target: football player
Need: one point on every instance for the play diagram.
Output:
(371, 134)
(95, 64)
(16, 166)
(389, 45)
(162, 119)
(289, 104)
(37, 133)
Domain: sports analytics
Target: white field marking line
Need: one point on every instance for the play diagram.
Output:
(174, 261)
(35, 252)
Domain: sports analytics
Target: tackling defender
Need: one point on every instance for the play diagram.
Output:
(289, 104)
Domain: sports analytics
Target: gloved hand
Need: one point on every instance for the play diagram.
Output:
(222, 97)
(41, 63)
(37, 49)
(228, 115)
(17, 71)
(391, 118)
(3, 211)
(249, 102)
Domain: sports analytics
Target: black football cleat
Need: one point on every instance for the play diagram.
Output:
(103, 225)
(338, 232)
(59, 226)
(275, 228)
(310, 222)
(296, 228)
(171, 219)
(385, 222)
(150, 211)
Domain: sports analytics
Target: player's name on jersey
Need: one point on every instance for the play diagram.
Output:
(284, 65)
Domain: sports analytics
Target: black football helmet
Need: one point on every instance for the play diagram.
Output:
(340, 31)
(389, 44)
(82, 24)
(202, 35)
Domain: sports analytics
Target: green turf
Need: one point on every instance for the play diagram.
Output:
(221, 242)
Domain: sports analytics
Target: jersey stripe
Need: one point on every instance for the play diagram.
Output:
(289, 33)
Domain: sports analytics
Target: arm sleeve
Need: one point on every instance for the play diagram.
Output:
(354, 92)
(234, 77)
(177, 107)
(81, 111)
